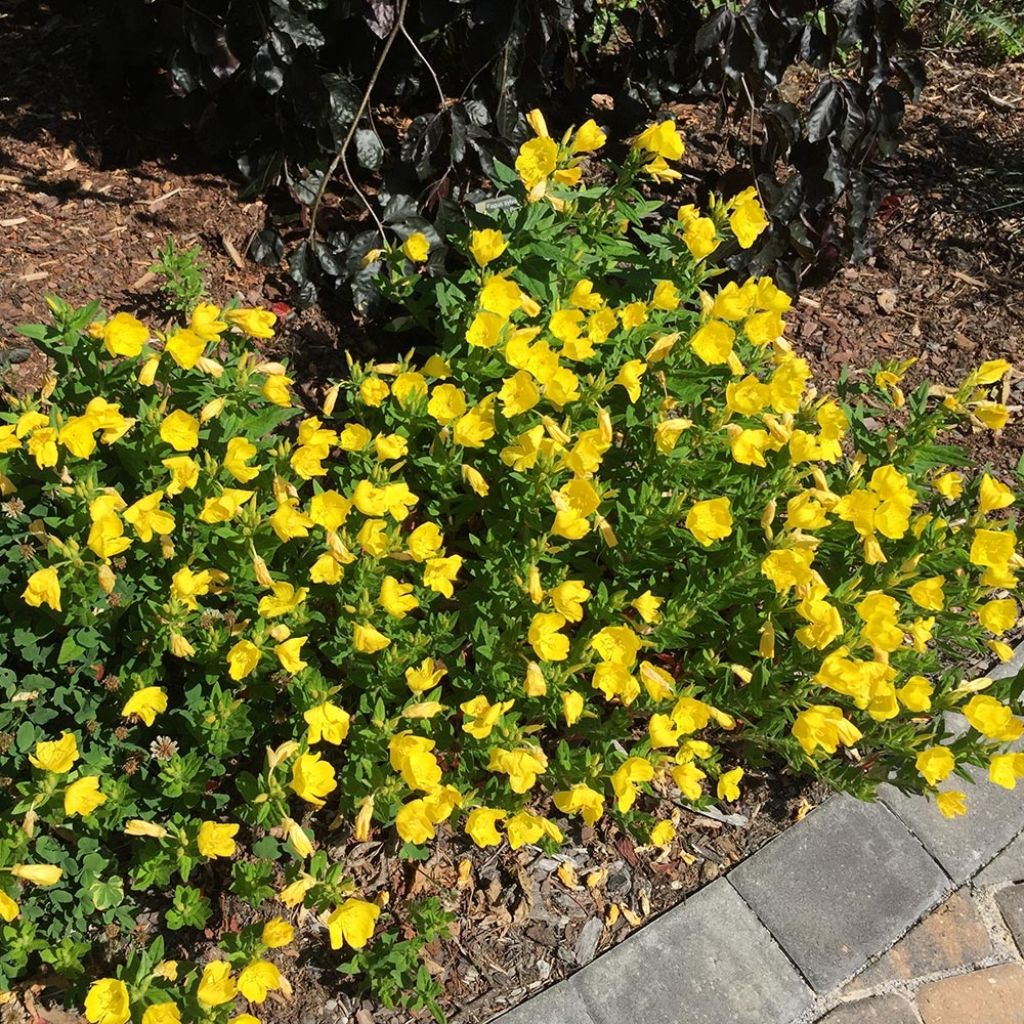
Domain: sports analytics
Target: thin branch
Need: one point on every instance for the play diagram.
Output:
(341, 157)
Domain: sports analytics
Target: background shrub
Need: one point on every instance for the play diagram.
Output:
(275, 84)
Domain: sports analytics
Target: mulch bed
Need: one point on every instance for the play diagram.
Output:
(83, 209)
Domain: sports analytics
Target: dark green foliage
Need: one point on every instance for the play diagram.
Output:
(275, 84)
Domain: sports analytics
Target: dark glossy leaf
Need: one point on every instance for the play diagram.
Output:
(369, 149)
(267, 73)
(826, 108)
(267, 247)
(717, 28)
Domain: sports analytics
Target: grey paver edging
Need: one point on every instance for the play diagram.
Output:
(797, 918)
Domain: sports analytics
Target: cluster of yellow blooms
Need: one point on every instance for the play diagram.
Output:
(613, 513)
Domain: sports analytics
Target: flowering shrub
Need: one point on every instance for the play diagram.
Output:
(598, 541)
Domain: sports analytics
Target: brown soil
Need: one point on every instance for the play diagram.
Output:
(86, 202)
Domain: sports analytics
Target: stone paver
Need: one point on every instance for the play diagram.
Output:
(839, 887)
(992, 996)
(1007, 867)
(951, 936)
(560, 1004)
(887, 1009)
(994, 816)
(709, 961)
(1011, 906)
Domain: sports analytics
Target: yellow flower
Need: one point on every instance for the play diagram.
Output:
(411, 756)
(43, 587)
(147, 703)
(522, 766)
(629, 377)
(327, 722)
(56, 756)
(184, 472)
(277, 933)
(699, 234)
(425, 676)
(545, 639)
(439, 574)
(37, 874)
(368, 640)
(710, 520)
(416, 247)
(572, 706)
(224, 507)
(289, 654)
(648, 607)
(216, 986)
(148, 518)
(729, 784)
(1005, 769)
(588, 137)
(662, 834)
(952, 803)
(747, 219)
(107, 1001)
(823, 726)
(536, 160)
(257, 323)
(487, 245)
(525, 827)
(916, 693)
(950, 485)
(185, 347)
(162, 1013)
(83, 796)
(662, 139)
(993, 719)
(481, 826)
(9, 910)
(993, 495)
(124, 335)
(353, 923)
(236, 455)
(312, 779)
(998, 616)
(180, 430)
(283, 600)
(216, 839)
(713, 342)
(412, 822)
(205, 322)
(992, 548)
(581, 799)
(243, 659)
(928, 593)
(482, 715)
(257, 979)
(275, 389)
(625, 778)
(289, 522)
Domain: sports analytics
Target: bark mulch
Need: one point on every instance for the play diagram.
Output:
(85, 202)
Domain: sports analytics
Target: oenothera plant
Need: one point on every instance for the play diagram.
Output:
(595, 549)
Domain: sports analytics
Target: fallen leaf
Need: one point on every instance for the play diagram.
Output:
(567, 875)
(886, 300)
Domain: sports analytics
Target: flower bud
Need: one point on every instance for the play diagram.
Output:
(364, 818)
(330, 399)
(211, 410)
(37, 874)
(263, 576)
(536, 684)
(106, 578)
(297, 837)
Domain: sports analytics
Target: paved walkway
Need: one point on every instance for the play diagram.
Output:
(879, 913)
